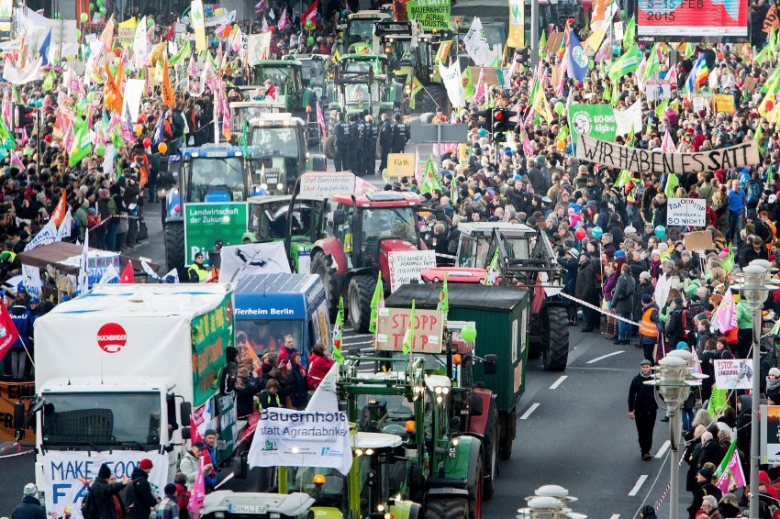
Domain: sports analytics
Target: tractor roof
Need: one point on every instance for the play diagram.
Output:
(461, 295)
(363, 57)
(214, 151)
(380, 199)
(279, 63)
(486, 228)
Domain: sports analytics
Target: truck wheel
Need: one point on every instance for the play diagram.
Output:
(319, 265)
(475, 492)
(174, 247)
(446, 508)
(359, 295)
(555, 354)
(330, 147)
(492, 458)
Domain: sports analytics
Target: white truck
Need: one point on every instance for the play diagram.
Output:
(119, 375)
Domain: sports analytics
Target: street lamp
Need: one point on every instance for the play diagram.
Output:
(674, 377)
(755, 291)
(549, 502)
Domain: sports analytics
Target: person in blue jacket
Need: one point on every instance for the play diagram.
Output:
(23, 321)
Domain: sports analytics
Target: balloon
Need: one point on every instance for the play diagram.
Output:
(150, 22)
(559, 108)
(536, 121)
(78, 34)
(591, 64)
(84, 17)
(660, 232)
(616, 50)
(580, 233)
(103, 11)
(147, 142)
(597, 232)
(101, 3)
(118, 52)
(100, 150)
(162, 148)
(562, 145)
(138, 129)
(91, 7)
(310, 40)
(622, 14)
(468, 333)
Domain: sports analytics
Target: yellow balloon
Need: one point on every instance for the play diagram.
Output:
(138, 130)
(162, 147)
(561, 145)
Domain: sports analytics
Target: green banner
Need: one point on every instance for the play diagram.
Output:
(431, 14)
(593, 120)
(212, 334)
(205, 223)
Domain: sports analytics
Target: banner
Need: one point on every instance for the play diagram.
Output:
(451, 77)
(197, 19)
(516, 37)
(392, 324)
(205, 223)
(11, 393)
(405, 266)
(326, 185)
(22, 75)
(212, 334)
(734, 374)
(688, 212)
(646, 162)
(68, 474)
(239, 261)
(430, 14)
(771, 21)
(687, 21)
(593, 120)
(32, 280)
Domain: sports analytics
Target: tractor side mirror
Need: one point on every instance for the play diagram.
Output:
(19, 412)
(475, 405)
(185, 408)
(339, 217)
(491, 364)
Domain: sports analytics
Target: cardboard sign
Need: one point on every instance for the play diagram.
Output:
(770, 434)
(686, 211)
(405, 266)
(734, 374)
(326, 185)
(723, 103)
(750, 84)
(393, 323)
(400, 165)
(554, 42)
(126, 34)
(490, 77)
(698, 241)
(656, 90)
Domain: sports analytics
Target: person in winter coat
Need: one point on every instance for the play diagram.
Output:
(675, 331)
(711, 450)
(744, 408)
(773, 386)
(294, 379)
(190, 461)
(319, 365)
(585, 290)
(642, 408)
(644, 286)
(568, 261)
(140, 506)
(623, 303)
(102, 494)
(728, 506)
(692, 454)
(31, 507)
(704, 487)
(23, 321)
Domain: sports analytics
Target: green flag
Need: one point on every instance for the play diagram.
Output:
(416, 86)
(625, 64)
(184, 53)
(431, 179)
(468, 84)
(444, 299)
(338, 333)
(672, 182)
(409, 337)
(6, 134)
(246, 141)
(762, 56)
(623, 179)
(660, 110)
(543, 44)
(728, 263)
(653, 64)
(724, 464)
(377, 302)
(630, 34)
(454, 192)
(48, 82)
(82, 146)
(770, 177)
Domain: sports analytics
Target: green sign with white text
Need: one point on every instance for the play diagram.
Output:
(592, 120)
(205, 223)
(430, 14)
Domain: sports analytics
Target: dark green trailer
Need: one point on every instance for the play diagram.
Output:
(501, 315)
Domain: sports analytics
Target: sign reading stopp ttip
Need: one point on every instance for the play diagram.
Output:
(692, 19)
(111, 338)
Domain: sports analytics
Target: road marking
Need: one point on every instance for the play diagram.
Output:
(593, 361)
(559, 382)
(639, 482)
(614, 516)
(663, 449)
(530, 410)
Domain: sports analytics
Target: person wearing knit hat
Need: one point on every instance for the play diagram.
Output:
(168, 507)
(773, 386)
(103, 493)
(142, 490)
(30, 508)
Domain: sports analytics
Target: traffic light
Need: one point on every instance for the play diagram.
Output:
(485, 120)
(501, 123)
(25, 117)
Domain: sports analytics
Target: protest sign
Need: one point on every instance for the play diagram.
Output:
(405, 266)
(770, 434)
(239, 261)
(656, 89)
(647, 162)
(400, 165)
(326, 185)
(68, 474)
(723, 103)
(430, 14)
(32, 280)
(686, 211)
(10, 394)
(734, 374)
(698, 241)
(393, 323)
(205, 223)
(593, 120)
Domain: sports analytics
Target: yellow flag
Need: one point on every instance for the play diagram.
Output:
(167, 89)
(542, 106)
(593, 42)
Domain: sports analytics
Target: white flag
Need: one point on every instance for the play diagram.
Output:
(140, 44)
(22, 75)
(45, 236)
(64, 229)
(111, 275)
(148, 269)
(83, 285)
(172, 275)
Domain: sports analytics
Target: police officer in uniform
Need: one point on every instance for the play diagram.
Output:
(352, 152)
(385, 140)
(400, 134)
(373, 133)
(197, 273)
(343, 143)
(360, 144)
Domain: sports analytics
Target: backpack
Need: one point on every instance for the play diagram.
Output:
(88, 506)
(127, 496)
(753, 191)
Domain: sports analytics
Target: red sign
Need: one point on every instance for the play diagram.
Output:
(692, 19)
(111, 338)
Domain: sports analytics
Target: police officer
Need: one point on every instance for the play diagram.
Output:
(352, 152)
(197, 273)
(400, 134)
(360, 144)
(343, 143)
(385, 140)
(373, 133)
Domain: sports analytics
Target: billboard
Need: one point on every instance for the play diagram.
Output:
(692, 19)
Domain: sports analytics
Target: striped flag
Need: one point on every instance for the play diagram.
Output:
(699, 75)
(729, 472)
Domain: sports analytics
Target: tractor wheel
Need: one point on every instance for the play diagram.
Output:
(330, 147)
(319, 265)
(476, 492)
(446, 508)
(555, 353)
(359, 294)
(174, 247)
(492, 459)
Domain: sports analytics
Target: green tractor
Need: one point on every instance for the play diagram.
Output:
(359, 28)
(444, 468)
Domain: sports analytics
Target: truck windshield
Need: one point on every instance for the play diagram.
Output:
(278, 142)
(267, 335)
(384, 413)
(398, 222)
(360, 30)
(360, 94)
(216, 179)
(101, 418)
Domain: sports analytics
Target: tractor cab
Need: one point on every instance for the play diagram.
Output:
(213, 173)
(242, 112)
(314, 71)
(362, 84)
(360, 27)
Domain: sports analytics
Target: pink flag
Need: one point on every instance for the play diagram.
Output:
(732, 476)
(260, 7)
(479, 91)
(726, 316)
(671, 77)
(16, 161)
(320, 118)
(284, 21)
(667, 144)
(362, 187)
(198, 493)
(265, 24)
(527, 147)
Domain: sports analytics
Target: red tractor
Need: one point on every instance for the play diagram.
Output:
(366, 228)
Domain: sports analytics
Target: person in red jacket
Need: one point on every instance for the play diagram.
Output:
(319, 365)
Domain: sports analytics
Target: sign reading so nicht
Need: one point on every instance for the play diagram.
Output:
(431, 14)
(205, 223)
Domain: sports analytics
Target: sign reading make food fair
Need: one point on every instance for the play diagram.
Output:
(690, 212)
(393, 323)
